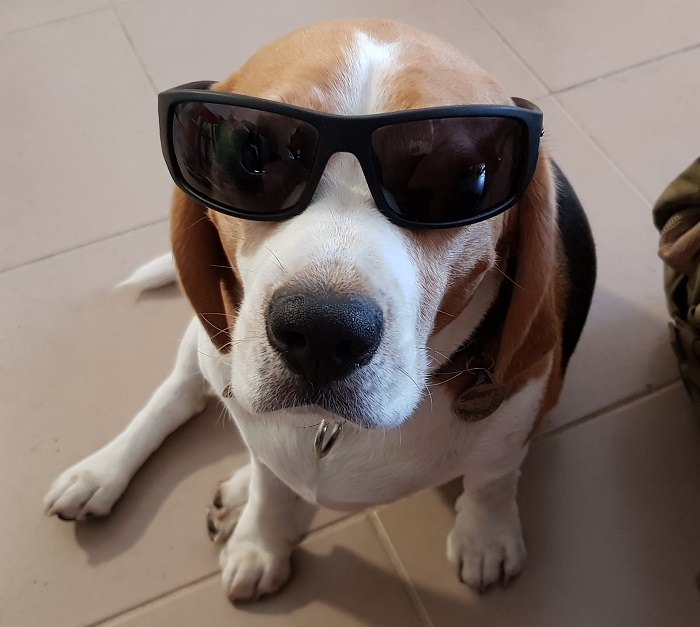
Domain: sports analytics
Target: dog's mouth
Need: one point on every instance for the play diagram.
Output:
(349, 399)
(339, 400)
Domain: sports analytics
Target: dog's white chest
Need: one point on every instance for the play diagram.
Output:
(367, 467)
(362, 468)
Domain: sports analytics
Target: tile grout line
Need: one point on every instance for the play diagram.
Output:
(608, 157)
(99, 240)
(554, 93)
(124, 30)
(198, 581)
(624, 402)
(58, 20)
(134, 608)
(331, 524)
(588, 81)
(634, 66)
(396, 562)
(502, 37)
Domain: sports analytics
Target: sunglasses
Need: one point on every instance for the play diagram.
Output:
(425, 168)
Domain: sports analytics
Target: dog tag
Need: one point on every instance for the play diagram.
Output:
(324, 441)
(479, 402)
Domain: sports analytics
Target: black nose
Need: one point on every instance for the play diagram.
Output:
(324, 337)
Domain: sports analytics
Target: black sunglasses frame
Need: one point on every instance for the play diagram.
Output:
(351, 134)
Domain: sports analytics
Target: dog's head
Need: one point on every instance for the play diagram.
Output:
(338, 308)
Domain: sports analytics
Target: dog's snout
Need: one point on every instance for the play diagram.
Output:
(324, 337)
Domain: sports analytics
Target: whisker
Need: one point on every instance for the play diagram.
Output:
(277, 259)
(430, 397)
(435, 361)
(240, 269)
(200, 351)
(434, 385)
(222, 418)
(435, 350)
(507, 277)
(196, 222)
(460, 372)
(206, 354)
(475, 369)
(219, 329)
(444, 313)
(243, 339)
(216, 265)
(215, 313)
(420, 390)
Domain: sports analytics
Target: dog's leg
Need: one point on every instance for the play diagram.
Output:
(486, 544)
(255, 559)
(93, 485)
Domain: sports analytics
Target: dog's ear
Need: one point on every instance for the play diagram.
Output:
(205, 272)
(530, 329)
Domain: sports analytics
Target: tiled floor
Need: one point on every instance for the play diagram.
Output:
(611, 492)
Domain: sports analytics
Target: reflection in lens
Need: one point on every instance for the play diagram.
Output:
(245, 159)
(450, 169)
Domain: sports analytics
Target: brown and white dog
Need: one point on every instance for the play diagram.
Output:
(478, 325)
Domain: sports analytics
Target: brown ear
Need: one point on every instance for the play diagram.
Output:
(531, 328)
(205, 272)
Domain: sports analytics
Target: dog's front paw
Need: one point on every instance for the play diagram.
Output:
(249, 572)
(92, 487)
(230, 498)
(485, 550)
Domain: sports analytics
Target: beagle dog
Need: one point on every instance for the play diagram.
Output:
(389, 276)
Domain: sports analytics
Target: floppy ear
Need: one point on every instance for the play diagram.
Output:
(205, 271)
(531, 328)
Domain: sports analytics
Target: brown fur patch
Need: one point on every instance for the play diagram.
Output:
(306, 68)
(459, 293)
(530, 337)
(207, 275)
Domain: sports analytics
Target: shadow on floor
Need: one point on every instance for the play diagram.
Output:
(207, 438)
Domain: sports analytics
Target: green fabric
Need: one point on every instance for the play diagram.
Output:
(677, 217)
(678, 209)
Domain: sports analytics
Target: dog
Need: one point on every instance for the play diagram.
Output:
(389, 276)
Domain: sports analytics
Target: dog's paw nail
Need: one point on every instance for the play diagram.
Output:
(218, 501)
(212, 529)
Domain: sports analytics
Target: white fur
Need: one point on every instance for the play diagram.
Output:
(158, 272)
(449, 339)
(417, 441)
(343, 229)
(338, 229)
(365, 467)
(367, 76)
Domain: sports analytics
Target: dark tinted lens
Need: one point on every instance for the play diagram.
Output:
(249, 160)
(450, 169)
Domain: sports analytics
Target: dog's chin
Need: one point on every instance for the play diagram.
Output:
(335, 402)
(323, 406)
